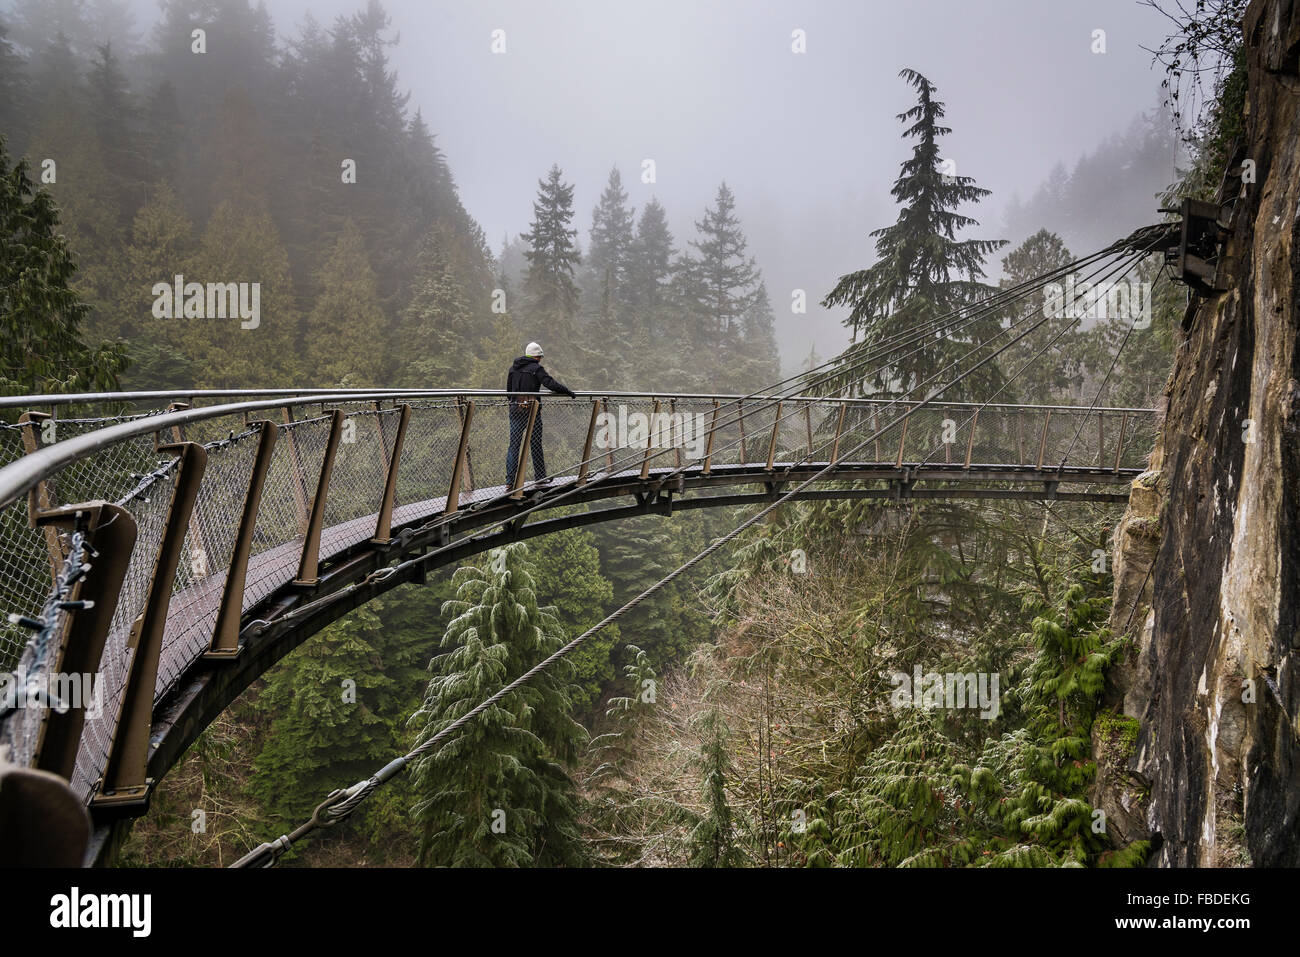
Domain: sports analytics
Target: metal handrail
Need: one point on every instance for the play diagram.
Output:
(19, 477)
(311, 396)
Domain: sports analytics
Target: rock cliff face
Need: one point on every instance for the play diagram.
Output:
(1214, 677)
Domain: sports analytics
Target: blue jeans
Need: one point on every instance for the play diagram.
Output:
(518, 425)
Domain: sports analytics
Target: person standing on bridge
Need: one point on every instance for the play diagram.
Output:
(524, 383)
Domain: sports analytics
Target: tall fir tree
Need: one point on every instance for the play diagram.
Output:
(496, 792)
(162, 246)
(242, 244)
(1056, 375)
(41, 315)
(761, 361)
(15, 109)
(670, 622)
(609, 253)
(347, 325)
(722, 279)
(116, 122)
(650, 272)
(436, 324)
(712, 840)
(550, 290)
(568, 579)
(332, 710)
(922, 271)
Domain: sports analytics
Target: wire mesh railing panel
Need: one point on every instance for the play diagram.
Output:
(623, 437)
(985, 436)
(489, 437)
(26, 572)
(1139, 438)
(565, 435)
(825, 420)
(283, 512)
(205, 559)
(935, 436)
(148, 504)
(732, 437)
(691, 421)
(429, 452)
(110, 474)
(794, 432)
(356, 486)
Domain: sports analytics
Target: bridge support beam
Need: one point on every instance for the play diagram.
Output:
(309, 563)
(124, 788)
(970, 439)
(225, 633)
(902, 439)
(1042, 441)
(650, 440)
(740, 418)
(584, 467)
(708, 444)
(39, 499)
(384, 524)
(771, 445)
(111, 532)
(462, 460)
(525, 452)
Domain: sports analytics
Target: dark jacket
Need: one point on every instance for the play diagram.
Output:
(527, 375)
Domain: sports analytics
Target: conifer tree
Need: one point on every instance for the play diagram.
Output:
(712, 841)
(162, 245)
(41, 349)
(164, 134)
(1056, 375)
(610, 252)
(569, 581)
(347, 325)
(922, 270)
(722, 279)
(758, 349)
(116, 124)
(611, 809)
(488, 371)
(86, 192)
(435, 325)
(638, 550)
(241, 244)
(14, 92)
(650, 271)
(332, 709)
(550, 290)
(496, 793)
(641, 679)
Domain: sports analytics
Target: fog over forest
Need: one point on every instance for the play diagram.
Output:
(808, 142)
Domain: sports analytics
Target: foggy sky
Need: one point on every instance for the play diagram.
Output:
(711, 90)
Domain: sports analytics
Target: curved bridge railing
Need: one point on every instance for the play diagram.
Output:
(185, 530)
